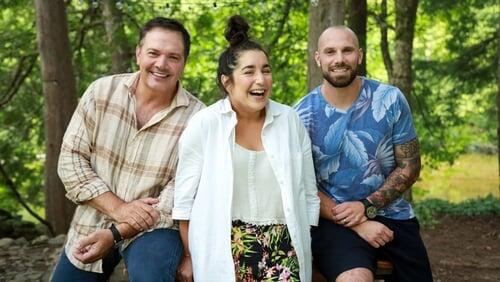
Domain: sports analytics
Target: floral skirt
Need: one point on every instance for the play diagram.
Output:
(263, 253)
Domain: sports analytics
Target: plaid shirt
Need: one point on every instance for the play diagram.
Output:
(104, 151)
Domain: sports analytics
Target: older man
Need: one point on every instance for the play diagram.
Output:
(118, 162)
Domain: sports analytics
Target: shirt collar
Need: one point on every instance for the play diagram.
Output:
(272, 109)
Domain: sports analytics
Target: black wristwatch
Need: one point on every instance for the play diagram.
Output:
(117, 237)
(370, 209)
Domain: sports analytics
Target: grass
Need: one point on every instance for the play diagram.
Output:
(471, 176)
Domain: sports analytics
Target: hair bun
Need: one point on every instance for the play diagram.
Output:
(236, 30)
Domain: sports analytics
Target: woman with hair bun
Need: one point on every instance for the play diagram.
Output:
(245, 193)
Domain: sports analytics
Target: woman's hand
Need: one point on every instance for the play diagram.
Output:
(185, 270)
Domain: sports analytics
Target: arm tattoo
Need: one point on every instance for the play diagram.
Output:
(407, 157)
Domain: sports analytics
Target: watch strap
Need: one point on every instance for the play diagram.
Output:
(117, 237)
(366, 203)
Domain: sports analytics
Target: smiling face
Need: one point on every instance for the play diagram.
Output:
(249, 86)
(338, 56)
(160, 57)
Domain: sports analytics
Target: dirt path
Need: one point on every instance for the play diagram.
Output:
(464, 249)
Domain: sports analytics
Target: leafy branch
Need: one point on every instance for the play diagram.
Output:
(10, 183)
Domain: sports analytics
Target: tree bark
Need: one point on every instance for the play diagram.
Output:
(384, 42)
(287, 6)
(498, 102)
(322, 14)
(115, 37)
(60, 101)
(406, 15)
(357, 22)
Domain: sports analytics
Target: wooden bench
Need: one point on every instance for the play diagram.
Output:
(384, 268)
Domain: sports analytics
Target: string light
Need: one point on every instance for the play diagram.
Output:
(168, 7)
(119, 5)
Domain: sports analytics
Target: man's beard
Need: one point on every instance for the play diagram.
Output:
(341, 83)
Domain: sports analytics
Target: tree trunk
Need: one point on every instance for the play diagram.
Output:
(498, 102)
(60, 101)
(322, 14)
(115, 37)
(357, 22)
(406, 15)
(384, 42)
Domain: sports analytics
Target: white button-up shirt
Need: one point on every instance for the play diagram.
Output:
(204, 185)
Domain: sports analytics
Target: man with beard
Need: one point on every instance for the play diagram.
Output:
(366, 155)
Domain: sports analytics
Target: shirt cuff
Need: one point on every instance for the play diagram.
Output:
(313, 218)
(181, 214)
(87, 192)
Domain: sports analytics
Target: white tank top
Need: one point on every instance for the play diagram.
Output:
(256, 195)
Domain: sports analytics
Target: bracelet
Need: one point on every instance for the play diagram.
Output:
(117, 237)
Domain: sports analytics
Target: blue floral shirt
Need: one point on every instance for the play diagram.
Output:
(353, 150)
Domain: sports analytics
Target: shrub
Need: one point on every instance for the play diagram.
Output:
(428, 210)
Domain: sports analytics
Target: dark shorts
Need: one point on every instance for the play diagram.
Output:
(337, 249)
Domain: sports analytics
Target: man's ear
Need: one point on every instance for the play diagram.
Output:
(137, 53)
(316, 58)
(360, 59)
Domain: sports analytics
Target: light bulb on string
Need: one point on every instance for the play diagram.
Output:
(119, 4)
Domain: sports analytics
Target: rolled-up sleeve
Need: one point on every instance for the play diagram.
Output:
(74, 167)
(189, 169)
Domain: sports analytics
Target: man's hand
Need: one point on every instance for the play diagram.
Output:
(185, 269)
(349, 214)
(326, 206)
(139, 214)
(374, 232)
(94, 247)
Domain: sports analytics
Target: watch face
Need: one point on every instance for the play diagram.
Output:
(371, 212)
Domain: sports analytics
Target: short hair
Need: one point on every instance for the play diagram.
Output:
(168, 24)
(236, 35)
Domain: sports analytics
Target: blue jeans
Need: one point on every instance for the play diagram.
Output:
(153, 256)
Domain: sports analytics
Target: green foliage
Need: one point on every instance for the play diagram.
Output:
(428, 210)
(287, 46)
(21, 131)
(454, 67)
(454, 70)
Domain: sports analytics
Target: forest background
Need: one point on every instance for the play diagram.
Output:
(452, 78)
